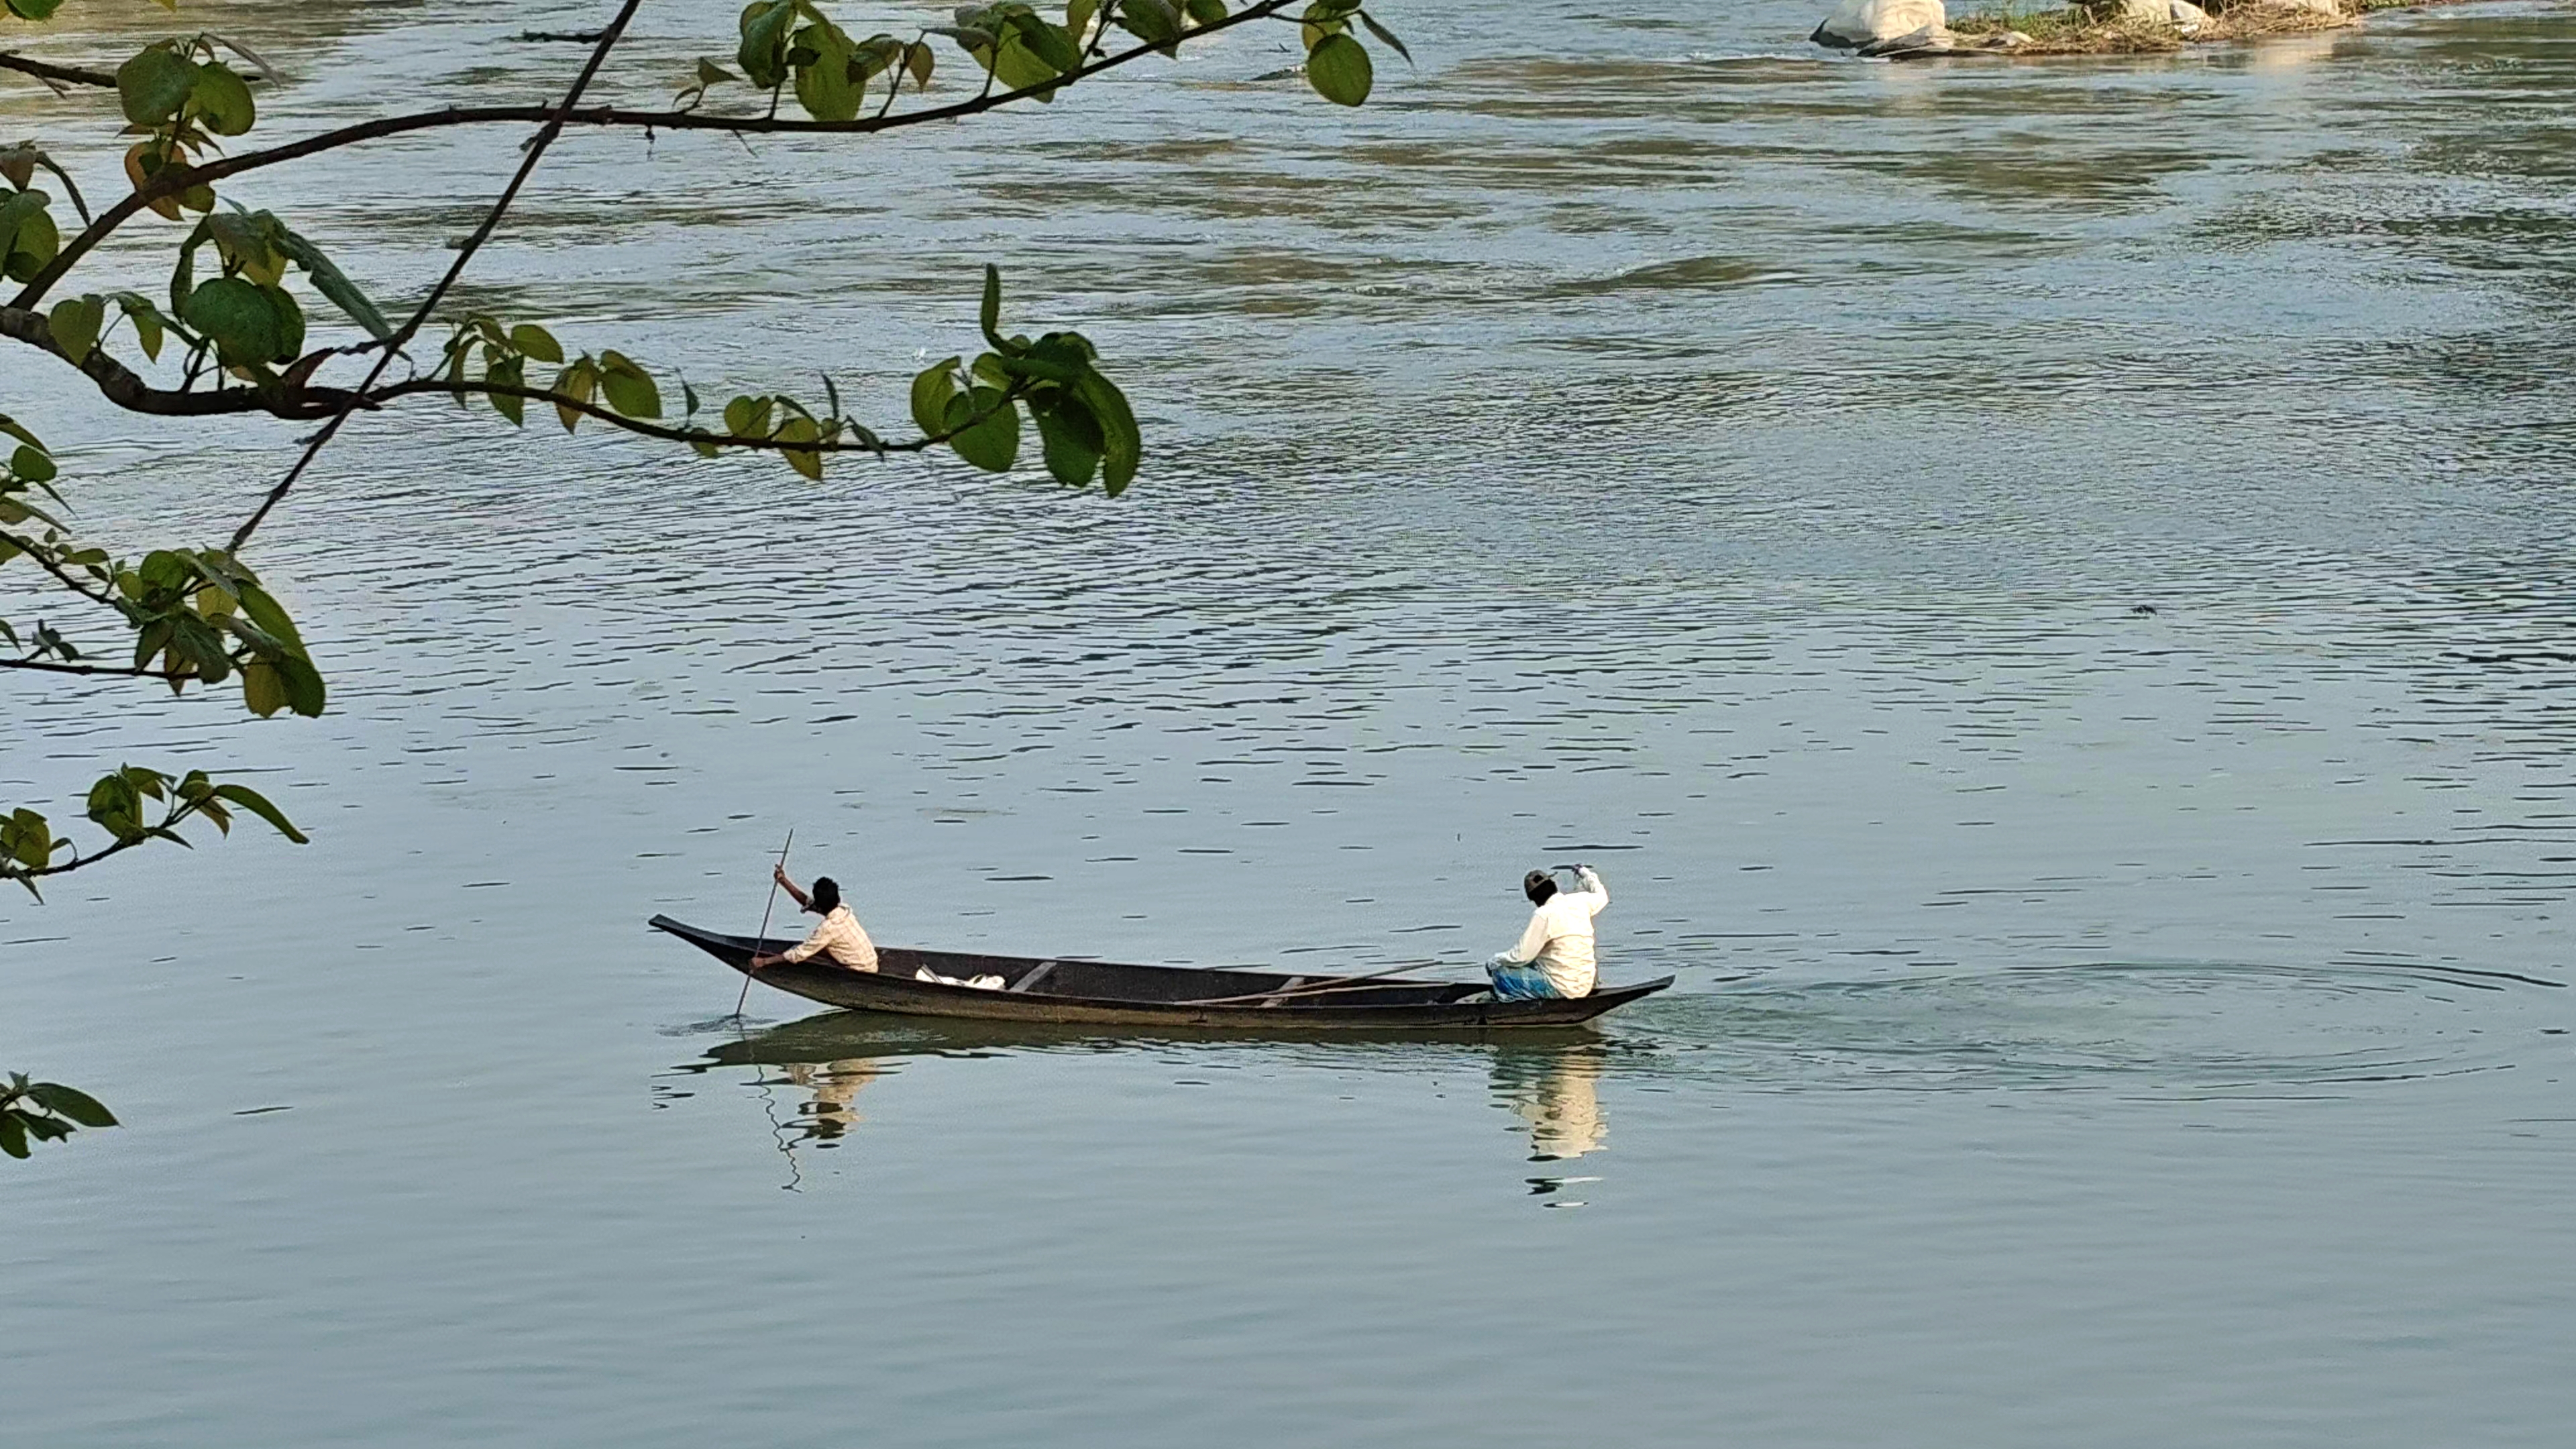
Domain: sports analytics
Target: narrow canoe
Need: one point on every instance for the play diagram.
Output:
(1105, 993)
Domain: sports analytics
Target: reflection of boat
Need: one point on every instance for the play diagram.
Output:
(841, 1040)
(1104, 993)
(1549, 1078)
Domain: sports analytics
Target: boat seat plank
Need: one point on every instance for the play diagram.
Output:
(1044, 970)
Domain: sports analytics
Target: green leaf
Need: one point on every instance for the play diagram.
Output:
(509, 372)
(223, 100)
(1339, 70)
(763, 55)
(1386, 35)
(290, 322)
(27, 838)
(991, 443)
(1205, 12)
(1018, 67)
(331, 283)
(1070, 437)
(536, 342)
(629, 388)
(747, 417)
(33, 466)
(1050, 359)
(28, 240)
(831, 88)
(931, 392)
(991, 314)
(75, 324)
(147, 322)
(264, 612)
(241, 318)
(154, 84)
(34, 9)
(1050, 45)
(579, 382)
(257, 804)
(304, 692)
(807, 461)
(48, 1129)
(116, 806)
(1154, 22)
(13, 1128)
(263, 688)
(1122, 446)
(70, 1102)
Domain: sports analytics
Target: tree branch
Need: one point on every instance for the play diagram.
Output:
(121, 385)
(56, 75)
(180, 178)
(123, 671)
(663, 430)
(608, 39)
(300, 403)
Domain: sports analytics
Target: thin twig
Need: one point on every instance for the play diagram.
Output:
(89, 589)
(536, 152)
(169, 822)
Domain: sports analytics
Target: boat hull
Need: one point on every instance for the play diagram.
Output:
(1103, 993)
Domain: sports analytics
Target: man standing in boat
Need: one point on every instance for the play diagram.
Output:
(1554, 957)
(839, 939)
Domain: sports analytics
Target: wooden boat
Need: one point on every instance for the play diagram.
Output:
(1105, 993)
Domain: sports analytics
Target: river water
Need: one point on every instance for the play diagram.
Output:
(2042, 588)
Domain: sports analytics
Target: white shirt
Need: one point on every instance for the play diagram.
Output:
(840, 939)
(1559, 938)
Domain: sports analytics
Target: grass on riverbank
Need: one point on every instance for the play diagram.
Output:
(2067, 31)
(2073, 30)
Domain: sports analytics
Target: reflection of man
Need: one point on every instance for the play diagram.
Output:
(1561, 1104)
(835, 1086)
(1554, 956)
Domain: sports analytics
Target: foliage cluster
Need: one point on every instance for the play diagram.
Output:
(44, 1112)
(235, 334)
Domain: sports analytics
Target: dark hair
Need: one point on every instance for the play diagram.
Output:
(1540, 886)
(826, 897)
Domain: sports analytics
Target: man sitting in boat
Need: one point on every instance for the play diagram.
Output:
(1554, 957)
(839, 939)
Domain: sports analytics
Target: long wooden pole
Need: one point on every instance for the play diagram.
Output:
(1327, 985)
(763, 938)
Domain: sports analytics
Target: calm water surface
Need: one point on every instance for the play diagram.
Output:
(1634, 437)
